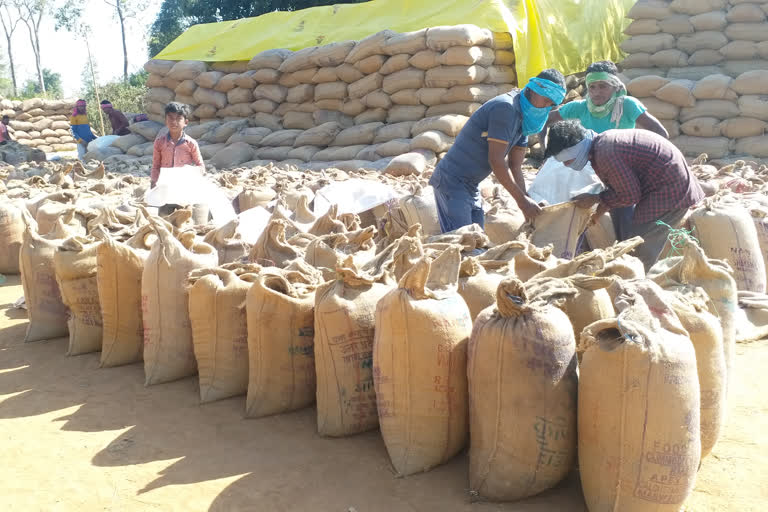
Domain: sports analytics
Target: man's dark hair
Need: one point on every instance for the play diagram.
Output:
(553, 75)
(175, 107)
(4, 118)
(105, 102)
(562, 135)
(605, 66)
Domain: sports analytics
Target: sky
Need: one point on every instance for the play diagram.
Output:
(63, 53)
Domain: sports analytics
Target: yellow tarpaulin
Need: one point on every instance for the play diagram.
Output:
(566, 34)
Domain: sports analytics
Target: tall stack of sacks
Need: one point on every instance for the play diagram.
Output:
(41, 123)
(695, 38)
(717, 114)
(354, 91)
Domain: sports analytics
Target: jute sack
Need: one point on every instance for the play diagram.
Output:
(419, 365)
(11, 237)
(707, 337)
(419, 208)
(522, 388)
(726, 231)
(281, 365)
(714, 277)
(45, 309)
(75, 266)
(344, 333)
(168, 350)
(619, 263)
(527, 259)
(478, 287)
(560, 225)
(228, 243)
(760, 219)
(118, 277)
(272, 248)
(601, 234)
(637, 387)
(219, 331)
(753, 317)
(327, 252)
(591, 301)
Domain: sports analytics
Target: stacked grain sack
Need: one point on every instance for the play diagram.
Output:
(388, 95)
(40, 123)
(701, 67)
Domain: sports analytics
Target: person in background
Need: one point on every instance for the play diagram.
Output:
(175, 148)
(494, 140)
(116, 118)
(639, 169)
(608, 107)
(5, 134)
(81, 129)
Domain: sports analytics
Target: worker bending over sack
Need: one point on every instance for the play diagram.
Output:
(638, 168)
(494, 140)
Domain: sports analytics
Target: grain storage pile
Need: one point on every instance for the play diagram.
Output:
(353, 101)
(701, 67)
(40, 123)
(390, 99)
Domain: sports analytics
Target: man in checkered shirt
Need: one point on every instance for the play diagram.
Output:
(638, 168)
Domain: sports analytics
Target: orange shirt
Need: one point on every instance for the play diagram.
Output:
(169, 154)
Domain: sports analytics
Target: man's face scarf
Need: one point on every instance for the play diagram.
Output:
(534, 118)
(615, 105)
(579, 153)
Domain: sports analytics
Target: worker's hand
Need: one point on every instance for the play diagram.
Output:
(530, 209)
(586, 200)
(81, 141)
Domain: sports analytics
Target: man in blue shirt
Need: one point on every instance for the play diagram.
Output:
(494, 140)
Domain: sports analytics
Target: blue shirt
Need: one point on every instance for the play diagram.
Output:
(633, 108)
(499, 119)
(80, 128)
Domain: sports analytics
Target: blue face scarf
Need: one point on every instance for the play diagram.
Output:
(534, 118)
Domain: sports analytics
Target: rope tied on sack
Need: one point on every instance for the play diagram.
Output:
(678, 238)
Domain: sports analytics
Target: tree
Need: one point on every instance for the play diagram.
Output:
(51, 83)
(176, 16)
(68, 16)
(10, 23)
(31, 12)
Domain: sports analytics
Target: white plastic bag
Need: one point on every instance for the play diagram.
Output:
(557, 183)
(353, 196)
(100, 143)
(252, 224)
(185, 186)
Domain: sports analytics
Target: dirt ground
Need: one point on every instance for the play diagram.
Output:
(77, 437)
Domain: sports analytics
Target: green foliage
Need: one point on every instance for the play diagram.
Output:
(53, 89)
(127, 97)
(176, 16)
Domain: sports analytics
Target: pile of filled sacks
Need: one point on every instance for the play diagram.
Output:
(511, 340)
(40, 123)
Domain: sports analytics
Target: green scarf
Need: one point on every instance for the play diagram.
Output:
(600, 111)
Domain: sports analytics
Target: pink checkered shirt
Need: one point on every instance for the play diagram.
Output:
(641, 168)
(167, 154)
